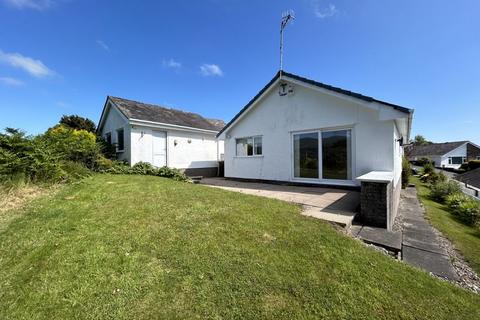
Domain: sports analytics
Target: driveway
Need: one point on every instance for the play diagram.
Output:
(334, 205)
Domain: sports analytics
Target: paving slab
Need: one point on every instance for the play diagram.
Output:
(334, 205)
(420, 244)
(437, 264)
(382, 237)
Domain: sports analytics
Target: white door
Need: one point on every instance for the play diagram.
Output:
(159, 144)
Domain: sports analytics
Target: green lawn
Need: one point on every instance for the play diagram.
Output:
(465, 238)
(139, 247)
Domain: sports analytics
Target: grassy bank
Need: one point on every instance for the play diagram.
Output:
(143, 247)
(465, 238)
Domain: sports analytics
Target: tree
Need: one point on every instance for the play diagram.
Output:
(420, 140)
(79, 123)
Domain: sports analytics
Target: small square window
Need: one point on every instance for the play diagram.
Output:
(249, 146)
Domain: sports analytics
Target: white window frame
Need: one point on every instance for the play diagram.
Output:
(320, 155)
(253, 155)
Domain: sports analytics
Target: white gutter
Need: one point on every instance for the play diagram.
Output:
(169, 126)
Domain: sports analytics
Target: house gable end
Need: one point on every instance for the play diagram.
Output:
(386, 110)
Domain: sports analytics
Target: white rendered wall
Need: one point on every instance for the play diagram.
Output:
(275, 118)
(458, 152)
(115, 120)
(184, 149)
(192, 150)
(397, 157)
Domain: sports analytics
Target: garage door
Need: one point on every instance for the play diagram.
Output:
(159, 144)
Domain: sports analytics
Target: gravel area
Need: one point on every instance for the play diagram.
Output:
(468, 278)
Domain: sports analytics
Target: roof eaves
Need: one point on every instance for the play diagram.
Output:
(317, 84)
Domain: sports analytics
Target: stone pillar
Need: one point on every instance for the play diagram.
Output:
(375, 203)
(376, 200)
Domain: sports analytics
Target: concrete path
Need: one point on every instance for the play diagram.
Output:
(420, 245)
(392, 241)
(334, 205)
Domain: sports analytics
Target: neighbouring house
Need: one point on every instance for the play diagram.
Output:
(162, 136)
(300, 131)
(471, 179)
(445, 155)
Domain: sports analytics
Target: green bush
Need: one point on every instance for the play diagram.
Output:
(464, 207)
(72, 145)
(441, 190)
(79, 123)
(145, 168)
(60, 154)
(172, 173)
(406, 173)
(74, 171)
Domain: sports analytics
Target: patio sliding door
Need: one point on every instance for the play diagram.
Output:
(305, 152)
(323, 154)
(336, 155)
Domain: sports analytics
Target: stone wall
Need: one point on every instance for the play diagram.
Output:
(375, 203)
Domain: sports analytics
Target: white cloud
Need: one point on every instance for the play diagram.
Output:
(211, 70)
(325, 12)
(170, 63)
(30, 4)
(11, 81)
(34, 67)
(103, 45)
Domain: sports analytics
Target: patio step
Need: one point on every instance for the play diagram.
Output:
(392, 241)
(341, 218)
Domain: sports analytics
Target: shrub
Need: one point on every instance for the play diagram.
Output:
(107, 149)
(465, 208)
(441, 190)
(79, 123)
(406, 173)
(74, 171)
(473, 164)
(172, 173)
(61, 154)
(146, 168)
(71, 145)
(102, 163)
(429, 175)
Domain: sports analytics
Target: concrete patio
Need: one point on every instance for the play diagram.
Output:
(334, 205)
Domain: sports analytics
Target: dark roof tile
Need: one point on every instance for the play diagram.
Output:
(433, 149)
(470, 177)
(149, 112)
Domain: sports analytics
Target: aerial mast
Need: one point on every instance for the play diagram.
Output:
(286, 18)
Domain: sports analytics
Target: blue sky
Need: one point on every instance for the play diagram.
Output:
(211, 57)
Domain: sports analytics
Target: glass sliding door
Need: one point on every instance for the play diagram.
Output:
(336, 155)
(306, 155)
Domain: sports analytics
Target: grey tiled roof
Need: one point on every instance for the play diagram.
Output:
(434, 149)
(470, 177)
(149, 112)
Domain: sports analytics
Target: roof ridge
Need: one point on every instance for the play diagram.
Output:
(138, 110)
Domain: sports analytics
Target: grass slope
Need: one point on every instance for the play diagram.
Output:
(465, 238)
(139, 247)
